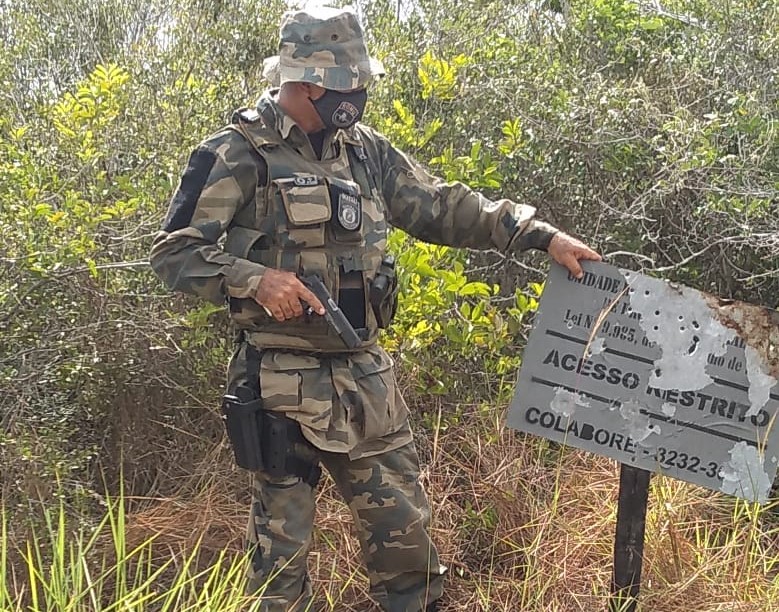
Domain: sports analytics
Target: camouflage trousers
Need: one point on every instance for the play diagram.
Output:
(390, 511)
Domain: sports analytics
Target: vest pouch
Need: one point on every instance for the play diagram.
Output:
(247, 243)
(307, 208)
(347, 205)
(384, 293)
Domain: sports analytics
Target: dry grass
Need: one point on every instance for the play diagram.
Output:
(522, 525)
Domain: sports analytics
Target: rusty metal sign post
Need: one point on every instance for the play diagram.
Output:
(660, 377)
(629, 538)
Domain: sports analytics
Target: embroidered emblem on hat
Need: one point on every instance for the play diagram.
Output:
(345, 114)
(349, 211)
(306, 181)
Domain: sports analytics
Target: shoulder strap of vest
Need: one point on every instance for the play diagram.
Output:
(245, 114)
(248, 124)
(359, 161)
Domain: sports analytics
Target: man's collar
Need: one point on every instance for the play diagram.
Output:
(274, 116)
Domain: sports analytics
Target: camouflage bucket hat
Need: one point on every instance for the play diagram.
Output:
(324, 46)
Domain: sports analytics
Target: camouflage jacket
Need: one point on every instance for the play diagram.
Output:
(226, 189)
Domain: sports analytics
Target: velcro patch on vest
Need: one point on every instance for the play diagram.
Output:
(193, 181)
(349, 211)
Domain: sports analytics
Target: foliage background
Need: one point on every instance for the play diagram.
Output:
(649, 129)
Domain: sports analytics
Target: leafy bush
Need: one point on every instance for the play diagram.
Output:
(649, 131)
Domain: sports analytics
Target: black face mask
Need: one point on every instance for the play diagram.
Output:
(341, 109)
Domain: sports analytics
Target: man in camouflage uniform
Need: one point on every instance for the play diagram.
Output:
(300, 188)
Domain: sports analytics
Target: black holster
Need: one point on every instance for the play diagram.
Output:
(244, 425)
(267, 441)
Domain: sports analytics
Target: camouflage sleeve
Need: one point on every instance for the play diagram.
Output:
(451, 213)
(220, 178)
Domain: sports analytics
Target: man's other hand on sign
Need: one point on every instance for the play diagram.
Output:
(569, 251)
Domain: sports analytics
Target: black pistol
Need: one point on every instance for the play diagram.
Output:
(334, 315)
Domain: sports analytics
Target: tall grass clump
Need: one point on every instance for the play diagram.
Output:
(61, 567)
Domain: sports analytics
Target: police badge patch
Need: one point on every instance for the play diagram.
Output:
(345, 114)
(349, 211)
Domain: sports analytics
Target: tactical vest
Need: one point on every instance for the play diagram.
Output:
(312, 217)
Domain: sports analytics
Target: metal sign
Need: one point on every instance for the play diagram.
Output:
(655, 375)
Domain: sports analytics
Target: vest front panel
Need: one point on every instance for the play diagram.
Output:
(312, 218)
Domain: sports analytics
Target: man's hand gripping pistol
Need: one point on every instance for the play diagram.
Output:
(334, 315)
